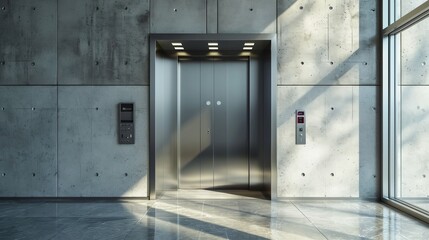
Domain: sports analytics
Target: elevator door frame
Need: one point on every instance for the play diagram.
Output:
(269, 101)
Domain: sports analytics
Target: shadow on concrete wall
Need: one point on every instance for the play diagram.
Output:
(364, 82)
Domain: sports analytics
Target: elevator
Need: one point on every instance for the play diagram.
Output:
(214, 124)
(212, 113)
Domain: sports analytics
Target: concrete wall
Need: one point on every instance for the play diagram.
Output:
(90, 161)
(28, 140)
(326, 65)
(103, 42)
(28, 50)
(58, 124)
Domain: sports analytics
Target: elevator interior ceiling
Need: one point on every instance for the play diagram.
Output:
(225, 47)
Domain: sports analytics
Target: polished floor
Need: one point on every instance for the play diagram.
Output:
(206, 215)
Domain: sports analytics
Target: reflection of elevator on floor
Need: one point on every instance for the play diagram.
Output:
(214, 124)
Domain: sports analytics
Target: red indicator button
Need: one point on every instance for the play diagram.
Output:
(300, 113)
(300, 119)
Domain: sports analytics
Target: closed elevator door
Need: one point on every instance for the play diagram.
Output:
(214, 125)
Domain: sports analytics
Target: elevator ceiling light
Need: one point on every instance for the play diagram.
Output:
(247, 48)
(213, 48)
(249, 44)
(176, 44)
(179, 48)
(213, 44)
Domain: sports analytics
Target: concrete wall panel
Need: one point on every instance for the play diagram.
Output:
(75, 170)
(331, 162)
(301, 167)
(212, 16)
(28, 49)
(91, 162)
(178, 16)
(329, 43)
(28, 139)
(103, 42)
(369, 141)
(302, 50)
(247, 16)
(342, 134)
(343, 29)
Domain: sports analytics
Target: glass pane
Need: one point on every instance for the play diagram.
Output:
(408, 5)
(413, 155)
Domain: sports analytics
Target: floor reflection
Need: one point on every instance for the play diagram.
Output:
(206, 215)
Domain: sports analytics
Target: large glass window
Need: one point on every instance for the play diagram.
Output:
(407, 6)
(406, 106)
(413, 105)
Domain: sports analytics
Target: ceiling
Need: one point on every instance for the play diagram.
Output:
(224, 46)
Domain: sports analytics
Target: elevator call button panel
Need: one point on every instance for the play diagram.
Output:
(126, 123)
(300, 131)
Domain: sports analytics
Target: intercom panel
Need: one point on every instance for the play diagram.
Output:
(126, 123)
(300, 131)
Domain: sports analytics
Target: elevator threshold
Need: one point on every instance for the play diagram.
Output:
(200, 194)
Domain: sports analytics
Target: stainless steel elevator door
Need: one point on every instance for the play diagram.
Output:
(214, 124)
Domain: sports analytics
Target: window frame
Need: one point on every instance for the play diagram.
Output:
(393, 25)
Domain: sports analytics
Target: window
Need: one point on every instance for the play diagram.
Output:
(406, 106)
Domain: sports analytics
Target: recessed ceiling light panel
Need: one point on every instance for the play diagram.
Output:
(249, 44)
(179, 48)
(213, 44)
(213, 48)
(247, 48)
(176, 44)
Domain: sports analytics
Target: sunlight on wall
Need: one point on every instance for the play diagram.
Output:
(332, 143)
(316, 39)
(326, 51)
(137, 187)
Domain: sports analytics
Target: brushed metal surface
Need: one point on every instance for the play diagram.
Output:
(256, 120)
(220, 165)
(207, 132)
(166, 141)
(190, 125)
(214, 138)
(236, 125)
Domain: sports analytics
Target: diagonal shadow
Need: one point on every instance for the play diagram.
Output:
(316, 91)
(198, 225)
